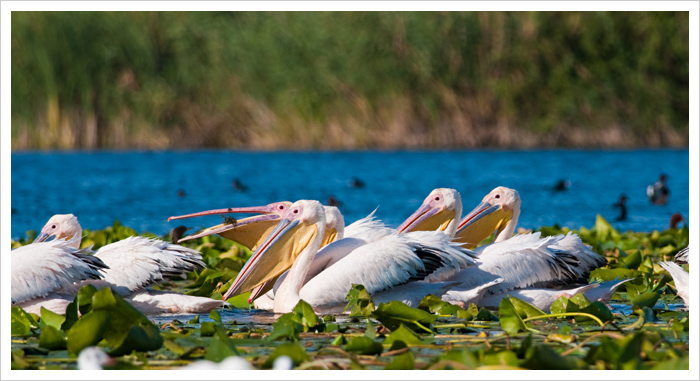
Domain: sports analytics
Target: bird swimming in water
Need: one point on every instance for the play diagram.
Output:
(357, 183)
(332, 201)
(177, 233)
(623, 208)
(658, 192)
(562, 185)
(181, 193)
(238, 185)
(676, 218)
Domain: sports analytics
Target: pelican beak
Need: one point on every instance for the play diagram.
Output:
(42, 237)
(428, 218)
(264, 209)
(274, 256)
(249, 231)
(329, 236)
(481, 222)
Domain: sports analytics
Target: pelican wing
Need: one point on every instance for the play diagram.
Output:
(680, 278)
(522, 261)
(368, 229)
(41, 268)
(392, 261)
(137, 262)
(682, 256)
(577, 255)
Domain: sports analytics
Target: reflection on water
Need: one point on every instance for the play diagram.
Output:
(141, 189)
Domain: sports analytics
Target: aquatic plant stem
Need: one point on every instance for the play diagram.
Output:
(565, 314)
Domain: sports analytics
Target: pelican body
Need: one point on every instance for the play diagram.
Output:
(134, 263)
(382, 265)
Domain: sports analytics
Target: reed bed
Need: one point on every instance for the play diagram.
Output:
(349, 80)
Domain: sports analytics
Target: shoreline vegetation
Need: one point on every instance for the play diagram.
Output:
(349, 80)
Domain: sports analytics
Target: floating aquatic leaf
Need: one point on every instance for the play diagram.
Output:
(52, 338)
(395, 313)
(544, 357)
(648, 299)
(51, 318)
(22, 323)
(605, 274)
(295, 351)
(87, 331)
(524, 309)
(306, 314)
(404, 334)
(220, 346)
(239, 301)
(508, 358)
(432, 303)
(339, 340)
(359, 301)
(364, 345)
(288, 327)
(511, 322)
(128, 329)
(633, 260)
(486, 315)
(207, 329)
(463, 356)
(404, 361)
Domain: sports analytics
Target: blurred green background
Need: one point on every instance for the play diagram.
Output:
(349, 80)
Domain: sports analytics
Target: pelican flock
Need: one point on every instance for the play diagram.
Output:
(305, 251)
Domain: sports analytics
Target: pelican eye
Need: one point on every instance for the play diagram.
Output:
(498, 196)
(437, 198)
(53, 226)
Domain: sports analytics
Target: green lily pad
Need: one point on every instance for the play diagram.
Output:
(22, 322)
(220, 346)
(647, 299)
(432, 303)
(306, 314)
(364, 345)
(294, 350)
(207, 329)
(404, 334)
(87, 331)
(511, 322)
(403, 361)
(524, 309)
(395, 313)
(544, 357)
(359, 301)
(52, 319)
(52, 338)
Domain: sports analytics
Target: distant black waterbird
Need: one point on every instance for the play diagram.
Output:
(177, 233)
(658, 192)
(181, 193)
(332, 201)
(357, 183)
(623, 208)
(562, 185)
(238, 185)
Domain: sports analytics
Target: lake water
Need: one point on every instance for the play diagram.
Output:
(141, 189)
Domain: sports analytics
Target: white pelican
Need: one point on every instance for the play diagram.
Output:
(392, 261)
(41, 268)
(554, 260)
(680, 276)
(445, 208)
(134, 263)
(521, 261)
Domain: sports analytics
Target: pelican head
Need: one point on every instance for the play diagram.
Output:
(62, 226)
(249, 231)
(335, 225)
(298, 229)
(498, 211)
(440, 211)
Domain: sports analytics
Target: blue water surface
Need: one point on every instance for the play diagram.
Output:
(141, 189)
